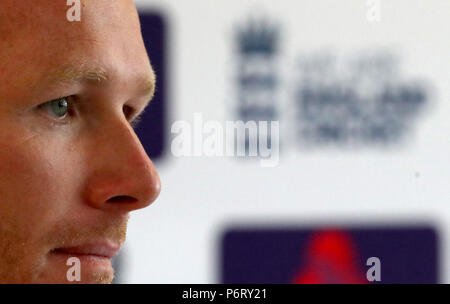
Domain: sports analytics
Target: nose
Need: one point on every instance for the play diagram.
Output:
(123, 178)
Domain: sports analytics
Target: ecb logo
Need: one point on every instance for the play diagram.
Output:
(345, 101)
(258, 76)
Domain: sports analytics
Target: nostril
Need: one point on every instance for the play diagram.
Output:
(122, 199)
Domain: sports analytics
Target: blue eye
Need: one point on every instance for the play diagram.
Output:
(58, 107)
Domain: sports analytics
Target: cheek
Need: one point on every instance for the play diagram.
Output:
(33, 181)
(29, 204)
(38, 190)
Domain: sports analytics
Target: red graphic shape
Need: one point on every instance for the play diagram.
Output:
(331, 258)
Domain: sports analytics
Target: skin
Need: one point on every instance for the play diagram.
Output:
(72, 181)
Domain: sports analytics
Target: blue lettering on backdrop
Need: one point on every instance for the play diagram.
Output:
(343, 101)
(358, 102)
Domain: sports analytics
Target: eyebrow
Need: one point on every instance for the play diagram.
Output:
(72, 74)
(97, 75)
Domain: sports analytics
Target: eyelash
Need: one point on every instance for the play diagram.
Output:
(71, 112)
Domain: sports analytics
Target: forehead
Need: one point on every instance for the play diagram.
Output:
(37, 38)
(51, 15)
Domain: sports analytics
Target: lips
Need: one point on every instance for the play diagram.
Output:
(96, 249)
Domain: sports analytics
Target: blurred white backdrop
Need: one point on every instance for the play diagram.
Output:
(177, 239)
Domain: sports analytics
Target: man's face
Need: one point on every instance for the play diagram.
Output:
(71, 166)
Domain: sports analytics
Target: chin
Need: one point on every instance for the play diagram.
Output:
(59, 278)
(57, 270)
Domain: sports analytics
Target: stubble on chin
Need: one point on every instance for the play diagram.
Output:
(23, 260)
